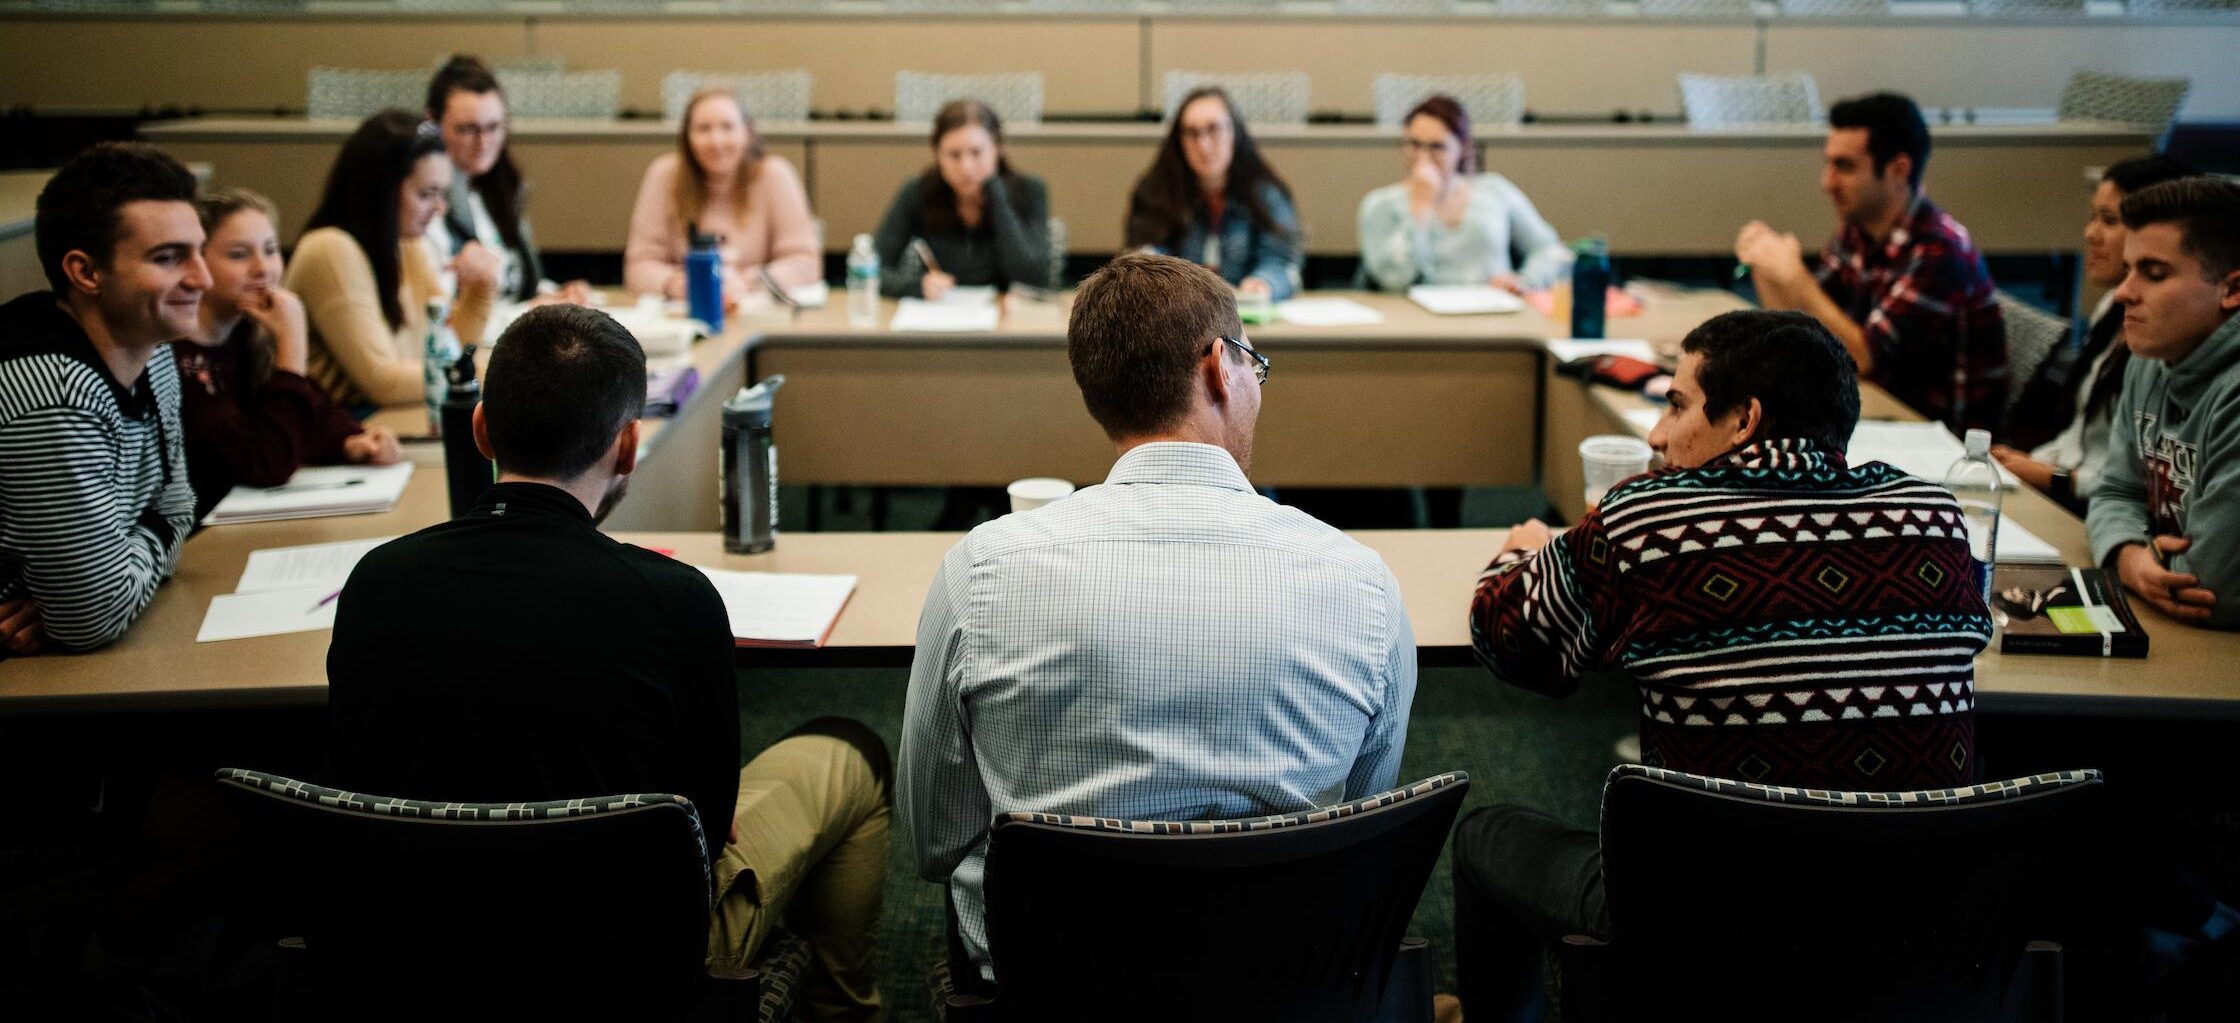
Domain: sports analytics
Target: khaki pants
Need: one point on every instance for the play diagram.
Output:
(811, 854)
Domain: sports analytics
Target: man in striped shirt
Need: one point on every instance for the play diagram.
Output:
(1790, 619)
(94, 498)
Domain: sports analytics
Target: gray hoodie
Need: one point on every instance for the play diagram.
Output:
(2174, 466)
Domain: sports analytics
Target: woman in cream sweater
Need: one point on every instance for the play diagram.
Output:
(720, 183)
(366, 276)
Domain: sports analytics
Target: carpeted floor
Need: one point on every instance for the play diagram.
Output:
(1517, 746)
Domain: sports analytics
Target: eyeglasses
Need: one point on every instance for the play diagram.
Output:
(1259, 361)
(1205, 132)
(487, 129)
(1413, 146)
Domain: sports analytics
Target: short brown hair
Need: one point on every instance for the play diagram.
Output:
(1138, 329)
(2207, 212)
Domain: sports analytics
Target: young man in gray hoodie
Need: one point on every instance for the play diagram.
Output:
(2166, 516)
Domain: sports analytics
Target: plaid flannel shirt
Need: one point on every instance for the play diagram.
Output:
(1928, 308)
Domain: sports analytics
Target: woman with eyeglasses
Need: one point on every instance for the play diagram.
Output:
(719, 182)
(1448, 224)
(251, 415)
(1209, 197)
(486, 203)
(366, 273)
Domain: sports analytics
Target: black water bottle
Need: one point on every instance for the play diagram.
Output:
(750, 470)
(464, 468)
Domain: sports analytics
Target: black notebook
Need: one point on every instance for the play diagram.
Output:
(2052, 609)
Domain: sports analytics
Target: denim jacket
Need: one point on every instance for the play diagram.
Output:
(1240, 249)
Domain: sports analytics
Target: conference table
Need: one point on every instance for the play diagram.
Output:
(158, 666)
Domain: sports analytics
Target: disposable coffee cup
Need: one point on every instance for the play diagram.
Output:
(1036, 491)
(1609, 460)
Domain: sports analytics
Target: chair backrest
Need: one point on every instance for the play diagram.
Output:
(2032, 337)
(253, 5)
(1835, 8)
(1698, 8)
(452, 5)
(1574, 8)
(533, 898)
(1081, 5)
(1295, 917)
(1015, 96)
(2024, 8)
(1932, 894)
(1260, 97)
(1493, 100)
(2149, 103)
(1719, 101)
(97, 5)
(356, 93)
(1396, 6)
(544, 94)
(2159, 7)
(943, 5)
(1058, 242)
(767, 95)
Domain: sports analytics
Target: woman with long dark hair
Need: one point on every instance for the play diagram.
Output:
(719, 182)
(985, 224)
(366, 274)
(1449, 224)
(487, 204)
(1209, 197)
(251, 416)
(2072, 399)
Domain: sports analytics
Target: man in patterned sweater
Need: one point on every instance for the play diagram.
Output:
(94, 496)
(1790, 619)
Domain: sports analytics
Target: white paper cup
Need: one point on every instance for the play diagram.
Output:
(1609, 460)
(1036, 491)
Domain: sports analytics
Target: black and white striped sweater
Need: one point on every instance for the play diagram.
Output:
(94, 498)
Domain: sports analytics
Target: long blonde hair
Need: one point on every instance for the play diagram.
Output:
(691, 195)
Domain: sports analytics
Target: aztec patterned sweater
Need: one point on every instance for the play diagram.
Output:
(1790, 620)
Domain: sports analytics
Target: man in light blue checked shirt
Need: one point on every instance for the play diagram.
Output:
(1168, 645)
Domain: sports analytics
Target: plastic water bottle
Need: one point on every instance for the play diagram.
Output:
(1590, 286)
(750, 470)
(863, 283)
(440, 351)
(1975, 482)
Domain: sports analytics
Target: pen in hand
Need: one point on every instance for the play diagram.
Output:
(925, 254)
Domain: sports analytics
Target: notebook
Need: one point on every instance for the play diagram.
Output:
(781, 609)
(1464, 299)
(315, 492)
(2060, 610)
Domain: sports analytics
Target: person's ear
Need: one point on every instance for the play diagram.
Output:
(482, 434)
(1215, 369)
(2228, 293)
(626, 449)
(1898, 173)
(1749, 418)
(79, 268)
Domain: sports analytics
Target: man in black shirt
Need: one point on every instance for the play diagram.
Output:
(517, 653)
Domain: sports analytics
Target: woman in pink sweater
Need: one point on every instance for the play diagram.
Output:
(720, 182)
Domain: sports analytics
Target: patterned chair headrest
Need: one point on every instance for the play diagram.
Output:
(1987, 792)
(1240, 825)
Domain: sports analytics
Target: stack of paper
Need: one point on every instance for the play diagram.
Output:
(781, 609)
(1566, 349)
(1327, 312)
(951, 315)
(1464, 299)
(1926, 450)
(315, 492)
(2019, 545)
(285, 589)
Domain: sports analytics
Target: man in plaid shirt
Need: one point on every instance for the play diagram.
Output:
(1901, 285)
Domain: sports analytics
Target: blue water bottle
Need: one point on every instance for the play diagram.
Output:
(1590, 286)
(703, 281)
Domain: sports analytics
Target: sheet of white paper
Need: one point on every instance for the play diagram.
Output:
(316, 491)
(2017, 544)
(1566, 349)
(1327, 312)
(272, 613)
(1926, 450)
(942, 317)
(969, 294)
(322, 565)
(781, 607)
(1464, 299)
(812, 295)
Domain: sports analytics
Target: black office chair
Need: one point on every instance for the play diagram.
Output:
(576, 909)
(1738, 901)
(1295, 917)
